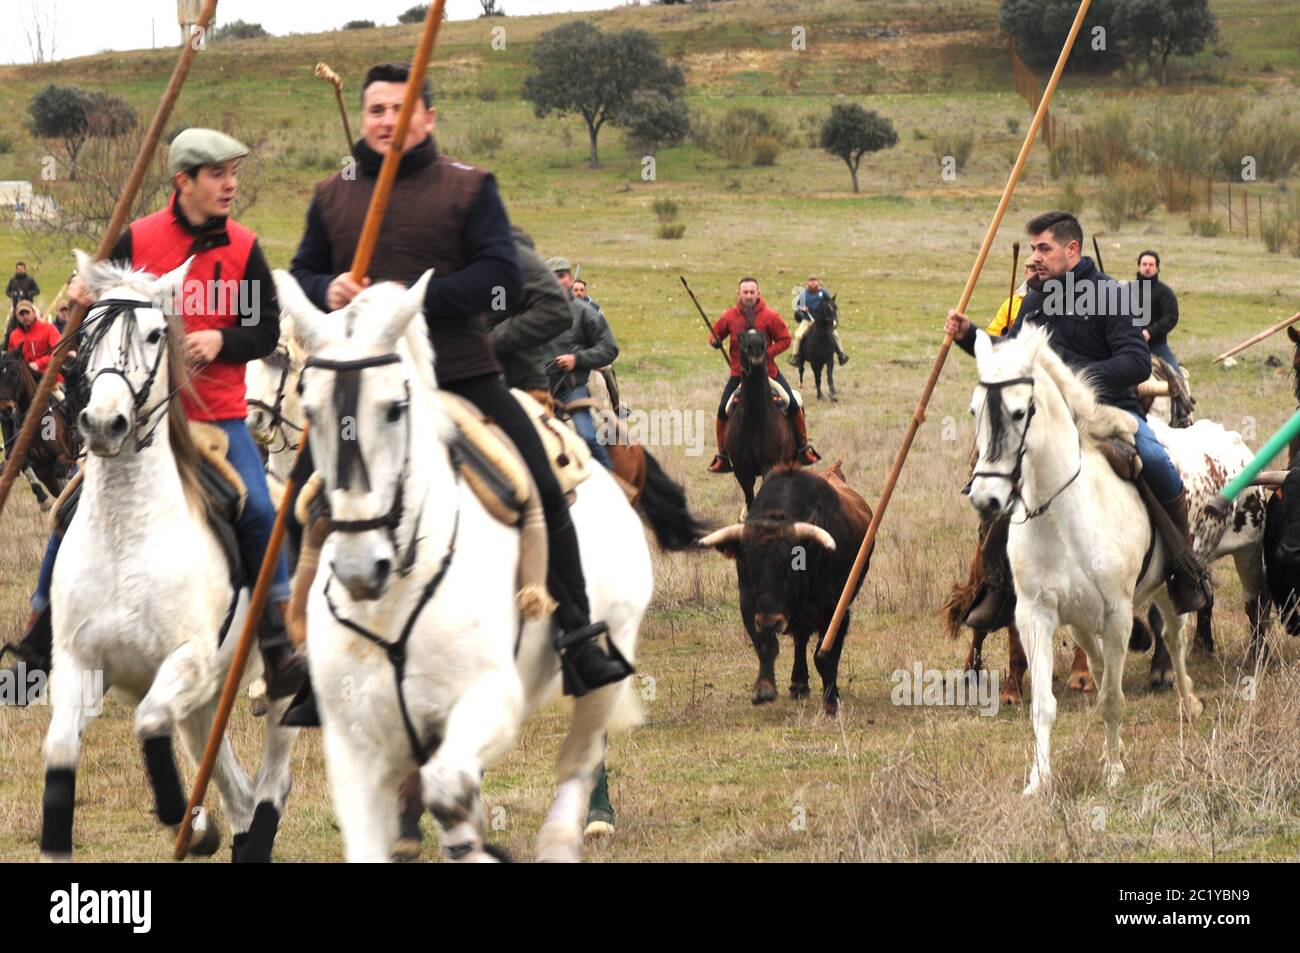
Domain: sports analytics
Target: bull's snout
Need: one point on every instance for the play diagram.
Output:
(770, 624)
(1288, 551)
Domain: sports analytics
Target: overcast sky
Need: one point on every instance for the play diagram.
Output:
(91, 26)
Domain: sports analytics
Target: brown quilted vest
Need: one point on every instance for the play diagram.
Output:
(422, 227)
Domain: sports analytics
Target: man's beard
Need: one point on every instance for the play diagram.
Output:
(1035, 282)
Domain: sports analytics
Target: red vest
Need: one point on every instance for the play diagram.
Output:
(35, 343)
(159, 244)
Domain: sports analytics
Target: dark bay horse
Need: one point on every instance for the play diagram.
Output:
(819, 346)
(759, 435)
(53, 452)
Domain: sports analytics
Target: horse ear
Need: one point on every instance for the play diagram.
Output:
(1293, 334)
(983, 347)
(167, 289)
(93, 274)
(306, 320)
(412, 304)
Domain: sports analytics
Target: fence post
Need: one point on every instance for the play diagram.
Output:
(1245, 207)
(1230, 205)
(1209, 195)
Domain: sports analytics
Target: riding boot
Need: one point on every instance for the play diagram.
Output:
(601, 819)
(585, 664)
(1189, 583)
(285, 669)
(721, 463)
(844, 358)
(995, 604)
(33, 650)
(806, 452)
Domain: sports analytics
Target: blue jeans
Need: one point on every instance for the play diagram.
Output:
(734, 382)
(1157, 469)
(586, 427)
(1162, 351)
(253, 527)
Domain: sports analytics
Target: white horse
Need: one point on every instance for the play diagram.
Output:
(141, 588)
(1080, 538)
(274, 408)
(414, 554)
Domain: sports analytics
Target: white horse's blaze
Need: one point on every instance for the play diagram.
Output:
(141, 584)
(465, 683)
(1076, 564)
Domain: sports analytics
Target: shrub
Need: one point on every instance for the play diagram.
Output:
(956, 143)
(487, 94)
(485, 140)
(746, 135)
(238, 30)
(1013, 124)
(359, 25)
(665, 209)
(671, 230)
(415, 14)
(1070, 197)
(766, 149)
(1207, 226)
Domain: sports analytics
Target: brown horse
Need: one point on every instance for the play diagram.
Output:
(53, 452)
(819, 346)
(759, 435)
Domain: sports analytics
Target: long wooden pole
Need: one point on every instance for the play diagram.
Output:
(324, 72)
(1011, 295)
(698, 307)
(360, 265)
(918, 417)
(121, 211)
(1258, 337)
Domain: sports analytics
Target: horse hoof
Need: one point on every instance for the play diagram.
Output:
(764, 692)
(1113, 774)
(799, 690)
(1010, 697)
(1162, 681)
(1193, 707)
(1081, 682)
(831, 709)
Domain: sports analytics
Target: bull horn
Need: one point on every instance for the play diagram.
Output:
(728, 534)
(1153, 388)
(807, 531)
(1270, 478)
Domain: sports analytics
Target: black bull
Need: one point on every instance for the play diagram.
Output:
(793, 556)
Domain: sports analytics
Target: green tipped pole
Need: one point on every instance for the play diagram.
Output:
(1222, 504)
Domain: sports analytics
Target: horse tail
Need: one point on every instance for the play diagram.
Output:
(962, 595)
(663, 503)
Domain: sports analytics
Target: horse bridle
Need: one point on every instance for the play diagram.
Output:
(350, 462)
(112, 309)
(1014, 477)
(279, 422)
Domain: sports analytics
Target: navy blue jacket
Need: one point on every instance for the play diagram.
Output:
(1108, 349)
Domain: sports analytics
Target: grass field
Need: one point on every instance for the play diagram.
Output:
(708, 776)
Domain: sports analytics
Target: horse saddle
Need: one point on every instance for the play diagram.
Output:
(223, 495)
(778, 395)
(1115, 434)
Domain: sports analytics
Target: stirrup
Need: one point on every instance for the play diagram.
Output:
(302, 713)
(720, 464)
(809, 455)
(602, 668)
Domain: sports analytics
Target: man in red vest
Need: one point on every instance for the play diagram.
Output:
(34, 337)
(231, 317)
(751, 312)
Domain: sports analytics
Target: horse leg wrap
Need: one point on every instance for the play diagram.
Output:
(169, 799)
(56, 822)
(254, 845)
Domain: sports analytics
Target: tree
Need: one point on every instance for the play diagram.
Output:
(850, 132)
(490, 9)
(1040, 27)
(577, 68)
(415, 14)
(238, 30)
(70, 114)
(40, 25)
(359, 25)
(654, 119)
(1155, 29)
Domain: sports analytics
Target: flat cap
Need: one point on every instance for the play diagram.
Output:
(24, 305)
(559, 264)
(196, 146)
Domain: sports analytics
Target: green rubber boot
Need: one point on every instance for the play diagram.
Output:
(600, 813)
